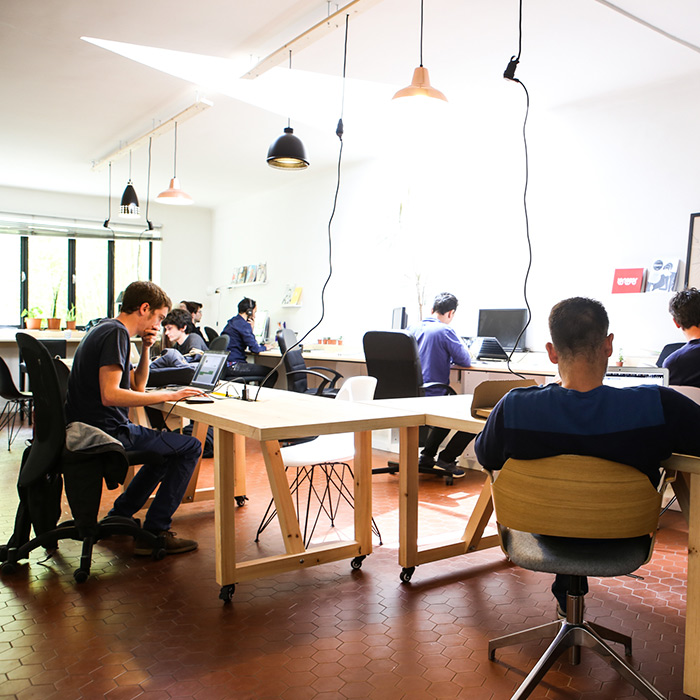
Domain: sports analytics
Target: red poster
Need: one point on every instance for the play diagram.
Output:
(628, 280)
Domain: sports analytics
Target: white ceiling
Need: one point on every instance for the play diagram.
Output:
(68, 103)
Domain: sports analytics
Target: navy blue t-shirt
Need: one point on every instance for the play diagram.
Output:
(105, 344)
(640, 426)
(684, 365)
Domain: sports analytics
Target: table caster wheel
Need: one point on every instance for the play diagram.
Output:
(407, 574)
(449, 480)
(226, 592)
(158, 553)
(81, 575)
(356, 563)
(240, 500)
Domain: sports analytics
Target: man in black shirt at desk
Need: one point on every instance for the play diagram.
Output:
(102, 387)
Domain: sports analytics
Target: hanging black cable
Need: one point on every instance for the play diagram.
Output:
(339, 133)
(509, 74)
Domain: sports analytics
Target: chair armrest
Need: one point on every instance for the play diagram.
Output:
(337, 375)
(324, 379)
(432, 385)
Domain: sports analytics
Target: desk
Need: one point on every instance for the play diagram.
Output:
(277, 415)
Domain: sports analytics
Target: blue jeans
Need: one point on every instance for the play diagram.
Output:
(180, 453)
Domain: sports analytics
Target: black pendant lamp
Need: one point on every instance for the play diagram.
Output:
(129, 207)
(287, 152)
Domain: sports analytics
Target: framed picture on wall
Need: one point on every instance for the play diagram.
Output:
(692, 263)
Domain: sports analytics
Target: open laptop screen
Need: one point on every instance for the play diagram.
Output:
(209, 369)
(635, 376)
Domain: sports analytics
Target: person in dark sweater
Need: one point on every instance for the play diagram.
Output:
(176, 326)
(640, 426)
(684, 364)
(103, 385)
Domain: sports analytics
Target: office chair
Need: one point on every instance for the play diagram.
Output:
(328, 454)
(666, 351)
(593, 518)
(57, 347)
(17, 402)
(298, 372)
(47, 464)
(220, 343)
(210, 333)
(392, 357)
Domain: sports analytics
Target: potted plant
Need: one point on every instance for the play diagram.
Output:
(620, 359)
(70, 318)
(53, 323)
(33, 318)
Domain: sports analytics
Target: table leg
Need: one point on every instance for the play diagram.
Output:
(408, 497)
(363, 491)
(225, 462)
(691, 668)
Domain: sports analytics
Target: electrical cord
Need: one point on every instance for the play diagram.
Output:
(339, 133)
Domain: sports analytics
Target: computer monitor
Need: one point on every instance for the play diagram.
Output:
(399, 318)
(262, 326)
(504, 325)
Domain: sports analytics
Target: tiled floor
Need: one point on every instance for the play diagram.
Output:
(157, 630)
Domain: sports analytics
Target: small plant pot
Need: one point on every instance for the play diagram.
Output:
(70, 325)
(619, 363)
(53, 324)
(33, 324)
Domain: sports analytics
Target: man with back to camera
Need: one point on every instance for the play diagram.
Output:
(239, 329)
(440, 347)
(684, 364)
(102, 387)
(640, 426)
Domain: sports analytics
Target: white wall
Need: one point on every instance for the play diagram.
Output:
(612, 184)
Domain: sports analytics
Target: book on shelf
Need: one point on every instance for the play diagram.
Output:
(287, 298)
(261, 275)
(250, 273)
(296, 296)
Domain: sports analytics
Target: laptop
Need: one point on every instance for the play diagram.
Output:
(636, 376)
(487, 349)
(209, 369)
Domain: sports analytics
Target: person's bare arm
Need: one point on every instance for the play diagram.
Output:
(139, 375)
(113, 395)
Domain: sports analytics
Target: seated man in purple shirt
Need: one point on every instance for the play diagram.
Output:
(684, 364)
(440, 347)
(239, 329)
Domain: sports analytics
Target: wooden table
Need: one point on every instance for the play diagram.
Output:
(455, 412)
(278, 415)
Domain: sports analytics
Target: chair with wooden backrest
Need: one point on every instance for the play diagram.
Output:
(327, 454)
(489, 393)
(578, 516)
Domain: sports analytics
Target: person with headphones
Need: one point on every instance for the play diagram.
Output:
(239, 329)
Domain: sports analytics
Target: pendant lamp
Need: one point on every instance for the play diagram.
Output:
(420, 85)
(287, 152)
(129, 208)
(174, 195)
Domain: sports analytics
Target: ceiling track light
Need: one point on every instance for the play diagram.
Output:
(287, 152)
(174, 195)
(420, 85)
(129, 207)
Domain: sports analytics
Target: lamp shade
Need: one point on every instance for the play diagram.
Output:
(420, 86)
(174, 195)
(287, 152)
(129, 208)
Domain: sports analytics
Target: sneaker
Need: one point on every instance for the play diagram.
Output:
(173, 544)
(449, 467)
(426, 462)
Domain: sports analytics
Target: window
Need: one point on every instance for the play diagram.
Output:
(48, 275)
(9, 287)
(90, 280)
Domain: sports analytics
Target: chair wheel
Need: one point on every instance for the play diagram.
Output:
(449, 480)
(356, 563)
(226, 592)
(81, 575)
(407, 574)
(8, 568)
(240, 500)
(158, 553)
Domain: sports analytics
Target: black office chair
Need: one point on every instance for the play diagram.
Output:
(211, 334)
(392, 357)
(667, 350)
(47, 463)
(220, 343)
(592, 517)
(298, 372)
(17, 403)
(57, 347)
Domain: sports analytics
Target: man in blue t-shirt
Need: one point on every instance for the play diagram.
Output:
(684, 364)
(239, 330)
(102, 387)
(640, 426)
(439, 348)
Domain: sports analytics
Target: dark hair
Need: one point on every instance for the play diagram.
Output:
(192, 306)
(178, 318)
(444, 303)
(142, 292)
(578, 326)
(685, 308)
(246, 304)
